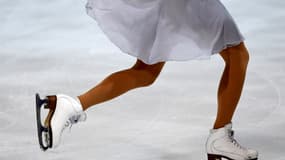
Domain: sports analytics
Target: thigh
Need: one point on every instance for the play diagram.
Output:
(236, 55)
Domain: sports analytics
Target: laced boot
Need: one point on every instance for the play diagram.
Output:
(66, 112)
(222, 145)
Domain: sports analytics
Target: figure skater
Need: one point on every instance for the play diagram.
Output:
(156, 31)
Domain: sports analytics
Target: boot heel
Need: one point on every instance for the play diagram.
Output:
(214, 157)
(51, 103)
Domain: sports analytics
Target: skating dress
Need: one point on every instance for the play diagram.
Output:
(164, 30)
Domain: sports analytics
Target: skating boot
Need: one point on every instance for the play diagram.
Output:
(221, 145)
(63, 112)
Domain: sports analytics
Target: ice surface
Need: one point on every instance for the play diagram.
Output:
(54, 47)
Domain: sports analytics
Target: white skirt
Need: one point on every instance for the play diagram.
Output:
(164, 30)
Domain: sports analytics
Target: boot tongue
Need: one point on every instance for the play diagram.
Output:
(78, 118)
(229, 126)
(229, 130)
(230, 133)
(78, 106)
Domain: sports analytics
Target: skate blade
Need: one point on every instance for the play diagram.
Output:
(220, 157)
(45, 132)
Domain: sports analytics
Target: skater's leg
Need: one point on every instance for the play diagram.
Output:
(64, 109)
(117, 83)
(236, 60)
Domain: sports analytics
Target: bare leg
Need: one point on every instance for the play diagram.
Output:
(231, 84)
(117, 83)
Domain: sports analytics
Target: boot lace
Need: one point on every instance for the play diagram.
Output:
(75, 119)
(233, 141)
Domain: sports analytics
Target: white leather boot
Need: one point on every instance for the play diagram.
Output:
(222, 145)
(67, 111)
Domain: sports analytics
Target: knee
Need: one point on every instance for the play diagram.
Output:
(151, 76)
(149, 73)
(238, 56)
(243, 59)
(143, 77)
(150, 80)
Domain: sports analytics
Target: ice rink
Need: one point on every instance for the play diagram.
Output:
(53, 47)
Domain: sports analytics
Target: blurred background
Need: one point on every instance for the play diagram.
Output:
(51, 47)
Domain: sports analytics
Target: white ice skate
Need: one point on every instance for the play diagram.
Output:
(63, 112)
(221, 145)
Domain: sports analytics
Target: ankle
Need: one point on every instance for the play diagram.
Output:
(218, 125)
(80, 101)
